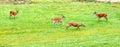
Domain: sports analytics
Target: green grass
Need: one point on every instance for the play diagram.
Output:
(44, 0)
(33, 25)
(51, 0)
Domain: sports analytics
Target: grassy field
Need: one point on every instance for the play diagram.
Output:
(51, 0)
(33, 25)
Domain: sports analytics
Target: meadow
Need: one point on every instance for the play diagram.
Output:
(33, 25)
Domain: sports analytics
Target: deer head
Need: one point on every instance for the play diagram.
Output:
(82, 25)
(17, 11)
(63, 17)
(95, 12)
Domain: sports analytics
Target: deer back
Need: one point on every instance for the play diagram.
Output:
(101, 15)
(13, 13)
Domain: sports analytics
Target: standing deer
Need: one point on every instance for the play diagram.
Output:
(101, 15)
(58, 20)
(74, 25)
(13, 13)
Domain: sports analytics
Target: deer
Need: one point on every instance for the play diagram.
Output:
(74, 24)
(100, 15)
(58, 20)
(13, 13)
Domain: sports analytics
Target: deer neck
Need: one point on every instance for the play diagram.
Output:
(62, 18)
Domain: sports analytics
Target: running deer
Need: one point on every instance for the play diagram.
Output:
(13, 13)
(101, 15)
(58, 20)
(74, 25)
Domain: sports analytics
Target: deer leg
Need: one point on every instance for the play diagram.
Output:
(14, 16)
(54, 22)
(98, 18)
(78, 28)
(106, 18)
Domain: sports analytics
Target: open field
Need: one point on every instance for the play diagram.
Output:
(33, 25)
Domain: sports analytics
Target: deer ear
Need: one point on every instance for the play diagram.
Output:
(63, 16)
(94, 12)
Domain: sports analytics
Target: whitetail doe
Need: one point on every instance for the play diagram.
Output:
(74, 24)
(100, 15)
(58, 20)
(13, 13)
